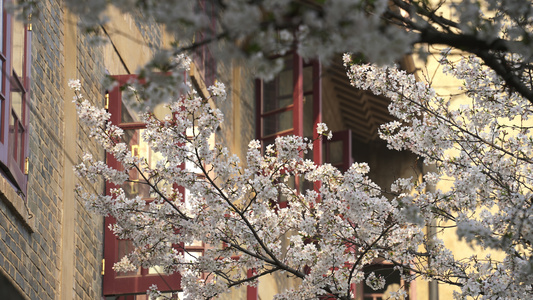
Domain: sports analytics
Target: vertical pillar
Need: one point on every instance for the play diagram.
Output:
(70, 125)
(317, 110)
(298, 96)
(251, 292)
(236, 102)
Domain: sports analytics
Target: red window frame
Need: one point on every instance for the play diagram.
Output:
(345, 137)
(252, 293)
(14, 116)
(296, 106)
(321, 148)
(114, 284)
(202, 55)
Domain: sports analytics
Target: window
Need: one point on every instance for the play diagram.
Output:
(393, 281)
(202, 55)
(138, 281)
(291, 104)
(338, 150)
(14, 97)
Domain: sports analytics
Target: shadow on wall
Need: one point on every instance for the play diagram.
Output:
(386, 165)
(7, 290)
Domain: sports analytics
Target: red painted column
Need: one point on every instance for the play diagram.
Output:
(298, 96)
(251, 292)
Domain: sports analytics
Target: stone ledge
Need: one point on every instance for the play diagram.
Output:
(17, 204)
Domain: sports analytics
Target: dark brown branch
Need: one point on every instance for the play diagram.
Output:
(511, 79)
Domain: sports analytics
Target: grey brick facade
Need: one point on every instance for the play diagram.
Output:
(32, 248)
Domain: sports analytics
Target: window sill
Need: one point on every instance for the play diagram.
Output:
(9, 195)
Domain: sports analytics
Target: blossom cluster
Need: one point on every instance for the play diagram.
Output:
(247, 210)
(378, 31)
(269, 28)
(483, 147)
(259, 211)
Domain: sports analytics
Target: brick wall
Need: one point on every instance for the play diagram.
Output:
(50, 247)
(32, 235)
(28, 255)
(88, 227)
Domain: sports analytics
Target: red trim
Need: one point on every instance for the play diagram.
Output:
(3, 128)
(298, 102)
(353, 288)
(3, 109)
(297, 96)
(125, 79)
(317, 116)
(132, 125)
(297, 108)
(27, 98)
(14, 146)
(252, 293)
(279, 133)
(6, 74)
(132, 284)
(278, 110)
(258, 108)
(346, 137)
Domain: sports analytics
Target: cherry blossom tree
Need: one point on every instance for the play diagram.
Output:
(323, 237)
(483, 146)
(326, 236)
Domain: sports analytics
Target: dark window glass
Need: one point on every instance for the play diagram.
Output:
(276, 123)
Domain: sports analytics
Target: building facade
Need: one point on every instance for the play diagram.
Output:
(50, 246)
